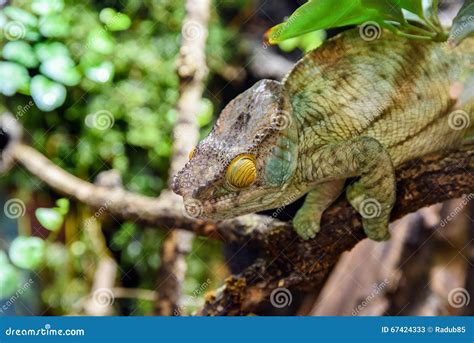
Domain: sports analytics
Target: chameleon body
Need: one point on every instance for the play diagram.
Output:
(349, 110)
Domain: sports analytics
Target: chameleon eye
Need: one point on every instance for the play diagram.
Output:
(242, 171)
(191, 153)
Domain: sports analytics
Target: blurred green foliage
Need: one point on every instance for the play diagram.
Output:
(94, 85)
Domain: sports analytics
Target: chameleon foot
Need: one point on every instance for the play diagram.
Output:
(375, 218)
(307, 221)
(376, 230)
(306, 226)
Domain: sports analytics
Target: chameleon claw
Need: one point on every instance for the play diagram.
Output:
(376, 231)
(305, 227)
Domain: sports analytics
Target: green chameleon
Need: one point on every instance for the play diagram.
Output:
(350, 109)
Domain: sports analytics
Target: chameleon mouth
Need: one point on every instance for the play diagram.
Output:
(208, 208)
(230, 205)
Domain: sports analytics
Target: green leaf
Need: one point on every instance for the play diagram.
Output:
(8, 281)
(24, 17)
(414, 6)
(3, 258)
(100, 41)
(115, 21)
(45, 7)
(463, 24)
(54, 25)
(14, 78)
(320, 14)
(32, 36)
(27, 252)
(206, 111)
(101, 73)
(312, 40)
(50, 218)
(307, 42)
(61, 68)
(63, 205)
(386, 9)
(3, 20)
(45, 51)
(57, 255)
(47, 95)
(21, 52)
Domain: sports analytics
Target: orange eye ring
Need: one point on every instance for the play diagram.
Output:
(191, 153)
(242, 171)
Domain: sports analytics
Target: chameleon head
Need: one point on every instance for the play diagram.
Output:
(247, 161)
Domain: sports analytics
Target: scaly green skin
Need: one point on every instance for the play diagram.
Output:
(350, 109)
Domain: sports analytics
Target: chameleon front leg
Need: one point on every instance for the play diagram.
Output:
(308, 218)
(373, 194)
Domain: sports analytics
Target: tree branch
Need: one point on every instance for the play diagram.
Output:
(289, 262)
(192, 71)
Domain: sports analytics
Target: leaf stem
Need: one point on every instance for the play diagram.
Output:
(419, 30)
(412, 36)
(433, 15)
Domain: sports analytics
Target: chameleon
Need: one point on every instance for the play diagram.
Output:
(342, 120)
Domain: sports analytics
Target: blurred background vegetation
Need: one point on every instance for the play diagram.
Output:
(94, 85)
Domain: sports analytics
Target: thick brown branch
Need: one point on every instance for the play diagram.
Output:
(292, 263)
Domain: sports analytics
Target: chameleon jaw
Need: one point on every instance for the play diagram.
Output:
(232, 205)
